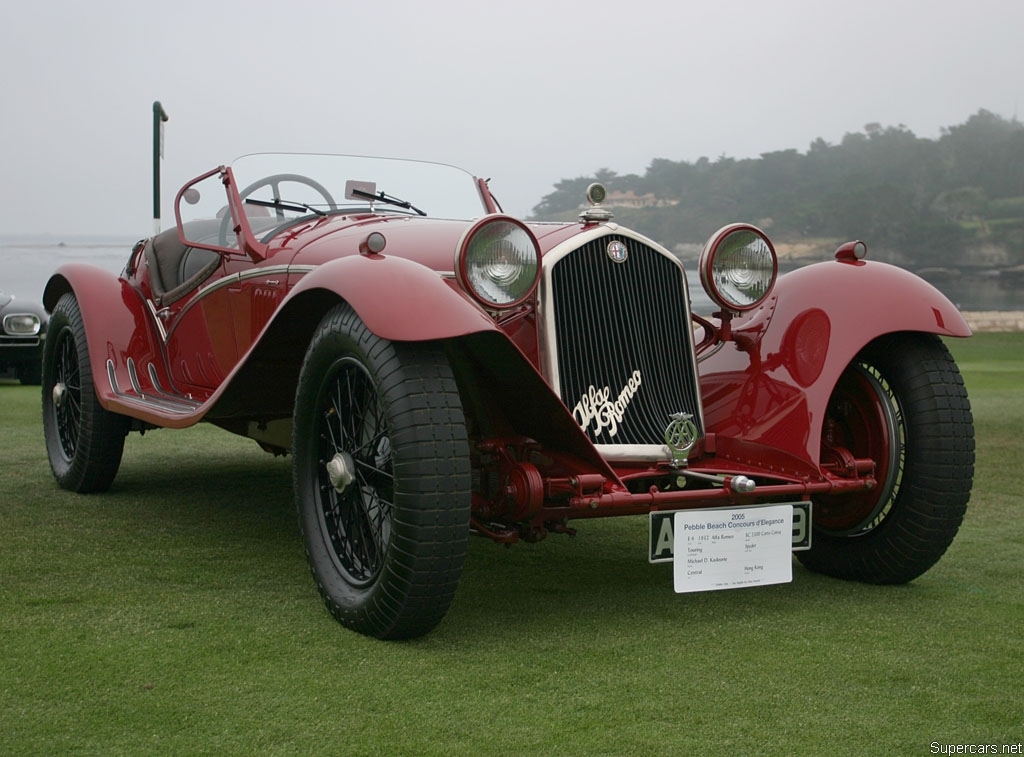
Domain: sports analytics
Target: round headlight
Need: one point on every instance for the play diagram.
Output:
(738, 267)
(498, 262)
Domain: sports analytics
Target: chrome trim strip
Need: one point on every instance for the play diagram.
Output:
(19, 342)
(157, 320)
(133, 377)
(226, 281)
(155, 379)
(302, 270)
(168, 403)
(176, 406)
(112, 377)
(237, 278)
(202, 293)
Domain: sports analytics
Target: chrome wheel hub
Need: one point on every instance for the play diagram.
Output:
(59, 392)
(341, 469)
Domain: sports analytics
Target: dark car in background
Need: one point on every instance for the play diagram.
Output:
(22, 331)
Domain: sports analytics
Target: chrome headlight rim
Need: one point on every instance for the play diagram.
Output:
(739, 242)
(22, 324)
(509, 283)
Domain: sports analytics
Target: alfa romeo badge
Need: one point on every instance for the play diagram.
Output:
(618, 251)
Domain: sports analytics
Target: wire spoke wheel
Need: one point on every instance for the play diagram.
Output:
(381, 477)
(67, 394)
(356, 481)
(84, 441)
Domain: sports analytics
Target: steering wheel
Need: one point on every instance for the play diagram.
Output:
(274, 182)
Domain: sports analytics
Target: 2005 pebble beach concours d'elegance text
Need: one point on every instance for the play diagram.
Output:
(437, 368)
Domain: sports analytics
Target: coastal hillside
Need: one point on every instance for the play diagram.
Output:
(938, 206)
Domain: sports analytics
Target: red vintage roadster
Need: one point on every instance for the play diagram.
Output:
(437, 368)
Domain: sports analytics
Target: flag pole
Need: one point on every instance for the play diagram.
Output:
(159, 117)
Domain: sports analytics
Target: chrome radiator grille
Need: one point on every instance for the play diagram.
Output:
(623, 342)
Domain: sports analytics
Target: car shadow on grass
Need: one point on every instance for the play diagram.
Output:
(240, 501)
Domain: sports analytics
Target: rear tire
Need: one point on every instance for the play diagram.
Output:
(84, 441)
(381, 476)
(902, 403)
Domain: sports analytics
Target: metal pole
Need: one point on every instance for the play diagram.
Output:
(159, 117)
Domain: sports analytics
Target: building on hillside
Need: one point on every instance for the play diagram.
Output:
(630, 199)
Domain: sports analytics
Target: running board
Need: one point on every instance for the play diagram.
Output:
(159, 400)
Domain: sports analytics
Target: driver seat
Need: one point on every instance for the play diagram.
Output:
(175, 269)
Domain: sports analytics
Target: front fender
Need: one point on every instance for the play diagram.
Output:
(397, 299)
(770, 388)
(877, 297)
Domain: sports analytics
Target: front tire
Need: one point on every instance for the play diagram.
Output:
(381, 477)
(84, 441)
(901, 403)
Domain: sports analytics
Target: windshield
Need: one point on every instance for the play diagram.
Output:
(278, 188)
(331, 183)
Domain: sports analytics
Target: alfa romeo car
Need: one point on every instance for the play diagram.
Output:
(437, 368)
(22, 331)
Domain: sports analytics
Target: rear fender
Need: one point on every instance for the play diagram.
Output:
(117, 327)
(396, 298)
(770, 387)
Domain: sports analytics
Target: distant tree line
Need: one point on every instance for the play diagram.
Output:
(923, 201)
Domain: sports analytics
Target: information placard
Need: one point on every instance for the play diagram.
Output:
(731, 549)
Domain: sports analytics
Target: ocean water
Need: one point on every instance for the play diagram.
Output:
(27, 262)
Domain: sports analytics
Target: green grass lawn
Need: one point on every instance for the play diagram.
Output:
(175, 615)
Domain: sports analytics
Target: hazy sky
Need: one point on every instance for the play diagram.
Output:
(526, 93)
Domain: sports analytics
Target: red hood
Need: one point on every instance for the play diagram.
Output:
(428, 241)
